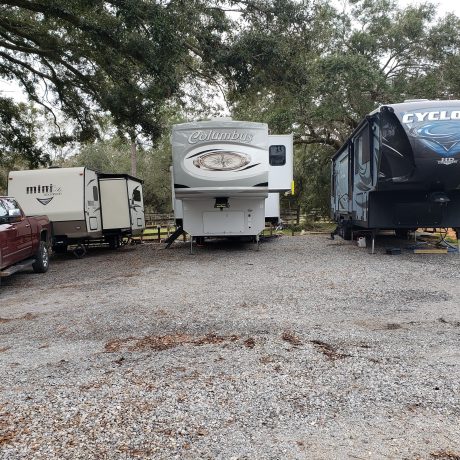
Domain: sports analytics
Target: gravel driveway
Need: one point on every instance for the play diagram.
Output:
(306, 349)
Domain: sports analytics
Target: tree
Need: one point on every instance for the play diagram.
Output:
(18, 139)
(127, 58)
(307, 68)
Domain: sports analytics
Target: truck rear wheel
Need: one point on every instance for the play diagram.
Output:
(41, 263)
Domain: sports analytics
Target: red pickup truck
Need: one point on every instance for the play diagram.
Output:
(24, 241)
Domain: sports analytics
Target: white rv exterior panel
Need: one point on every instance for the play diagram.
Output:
(176, 204)
(272, 206)
(68, 196)
(58, 193)
(245, 216)
(281, 172)
(222, 157)
(115, 204)
(223, 222)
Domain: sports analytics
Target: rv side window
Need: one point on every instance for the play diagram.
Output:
(95, 193)
(358, 147)
(137, 195)
(277, 155)
(366, 152)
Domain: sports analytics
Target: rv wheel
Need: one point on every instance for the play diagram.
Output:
(41, 263)
(79, 251)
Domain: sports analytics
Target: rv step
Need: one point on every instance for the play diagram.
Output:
(430, 251)
(16, 268)
(170, 240)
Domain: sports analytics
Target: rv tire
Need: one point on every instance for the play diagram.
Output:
(41, 263)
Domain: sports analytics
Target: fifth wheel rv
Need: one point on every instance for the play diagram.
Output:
(400, 170)
(223, 171)
(82, 205)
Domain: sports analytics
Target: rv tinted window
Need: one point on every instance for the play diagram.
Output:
(397, 158)
(137, 195)
(95, 193)
(277, 155)
(366, 152)
(358, 146)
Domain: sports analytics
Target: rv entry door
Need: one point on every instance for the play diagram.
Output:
(92, 202)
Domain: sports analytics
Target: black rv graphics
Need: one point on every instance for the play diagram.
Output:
(400, 169)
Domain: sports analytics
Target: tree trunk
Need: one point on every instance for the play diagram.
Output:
(133, 158)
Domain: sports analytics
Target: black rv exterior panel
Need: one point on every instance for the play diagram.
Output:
(413, 209)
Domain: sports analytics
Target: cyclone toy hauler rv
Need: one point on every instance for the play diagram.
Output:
(222, 174)
(83, 206)
(400, 170)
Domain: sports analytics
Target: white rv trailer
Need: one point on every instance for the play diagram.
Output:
(74, 202)
(220, 176)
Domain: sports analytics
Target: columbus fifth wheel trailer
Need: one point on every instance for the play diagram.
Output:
(400, 169)
(74, 201)
(221, 176)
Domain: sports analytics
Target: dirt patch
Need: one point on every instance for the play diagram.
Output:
(452, 323)
(445, 455)
(392, 326)
(164, 342)
(7, 429)
(329, 351)
(290, 337)
(27, 316)
(249, 343)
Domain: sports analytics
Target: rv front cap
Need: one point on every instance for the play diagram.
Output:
(442, 115)
(211, 135)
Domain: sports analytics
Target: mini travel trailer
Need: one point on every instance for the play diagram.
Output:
(221, 176)
(399, 170)
(83, 206)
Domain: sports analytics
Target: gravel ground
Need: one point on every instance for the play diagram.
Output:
(306, 349)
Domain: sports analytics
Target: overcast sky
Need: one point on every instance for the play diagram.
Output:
(444, 6)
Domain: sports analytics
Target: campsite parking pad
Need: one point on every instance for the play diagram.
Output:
(308, 348)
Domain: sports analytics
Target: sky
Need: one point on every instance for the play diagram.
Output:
(443, 7)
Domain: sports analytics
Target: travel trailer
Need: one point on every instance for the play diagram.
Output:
(399, 170)
(223, 171)
(82, 205)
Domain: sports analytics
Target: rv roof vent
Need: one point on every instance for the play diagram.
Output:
(415, 100)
